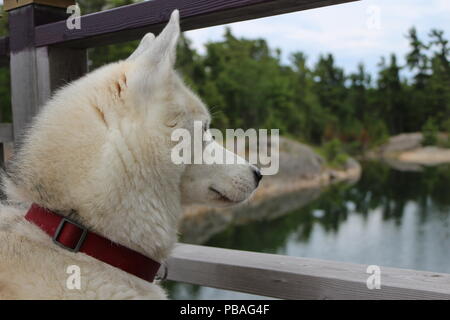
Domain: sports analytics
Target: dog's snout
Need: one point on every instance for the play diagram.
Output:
(257, 174)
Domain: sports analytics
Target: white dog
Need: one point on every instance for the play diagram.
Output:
(99, 153)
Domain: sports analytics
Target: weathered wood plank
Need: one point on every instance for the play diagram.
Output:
(133, 21)
(4, 51)
(298, 278)
(27, 93)
(24, 87)
(6, 132)
(37, 72)
(7, 152)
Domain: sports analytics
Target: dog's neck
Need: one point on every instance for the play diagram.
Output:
(148, 226)
(141, 208)
(144, 218)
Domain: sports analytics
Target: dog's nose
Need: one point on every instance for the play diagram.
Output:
(257, 174)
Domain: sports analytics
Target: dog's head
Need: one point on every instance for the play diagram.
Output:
(179, 107)
(104, 141)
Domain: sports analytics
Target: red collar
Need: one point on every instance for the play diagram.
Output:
(76, 238)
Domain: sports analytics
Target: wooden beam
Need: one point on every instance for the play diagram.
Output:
(7, 152)
(6, 141)
(6, 132)
(13, 4)
(297, 278)
(133, 21)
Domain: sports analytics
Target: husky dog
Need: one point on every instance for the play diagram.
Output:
(99, 152)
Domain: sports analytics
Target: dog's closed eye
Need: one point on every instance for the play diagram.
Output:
(172, 123)
(173, 119)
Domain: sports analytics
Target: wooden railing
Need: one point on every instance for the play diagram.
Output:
(298, 278)
(43, 54)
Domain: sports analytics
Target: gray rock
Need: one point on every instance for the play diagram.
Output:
(298, 160)
(402, 142)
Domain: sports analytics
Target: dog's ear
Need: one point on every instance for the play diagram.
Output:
(144, 46)
(162, 50)
(166, 44)
(154, 59)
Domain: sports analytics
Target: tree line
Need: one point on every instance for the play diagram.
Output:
(246, 84)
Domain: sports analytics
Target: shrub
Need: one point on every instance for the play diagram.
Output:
(445, 141)
(430, 132)
(333, 153)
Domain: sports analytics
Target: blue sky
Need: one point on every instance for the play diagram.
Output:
(354, 32)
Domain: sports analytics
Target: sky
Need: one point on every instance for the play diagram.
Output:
(354, 32)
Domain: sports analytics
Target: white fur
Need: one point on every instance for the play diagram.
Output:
(99, 152)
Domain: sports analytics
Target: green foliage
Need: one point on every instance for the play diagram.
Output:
(5, 97)
(334, 154)
(444, 142)
(430, 132)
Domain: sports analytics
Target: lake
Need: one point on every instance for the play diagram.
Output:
(388, 218)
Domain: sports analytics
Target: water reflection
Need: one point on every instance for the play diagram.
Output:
(389, 218)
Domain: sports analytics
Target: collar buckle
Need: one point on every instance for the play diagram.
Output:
(80, 240)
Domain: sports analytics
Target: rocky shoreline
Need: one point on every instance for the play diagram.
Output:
(406, 152)
(302, 176)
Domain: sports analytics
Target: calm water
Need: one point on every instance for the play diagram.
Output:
(389, 218)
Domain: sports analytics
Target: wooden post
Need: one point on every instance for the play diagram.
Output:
(37, 72)
(6, 140)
